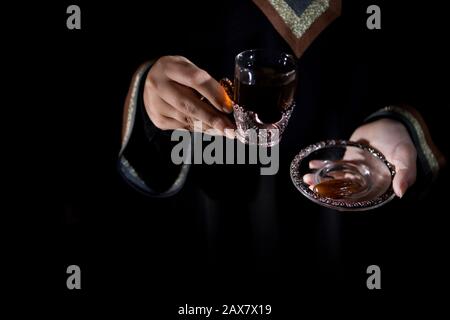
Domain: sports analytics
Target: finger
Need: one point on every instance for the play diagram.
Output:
(190, 124)
(229, 133)
(188, 74)
(212, 131)
(168, 111)
(195, 125)
(308, 178)
(404, 160)
(316, 164)
(166, 123)
(184, 100)
(353, 154)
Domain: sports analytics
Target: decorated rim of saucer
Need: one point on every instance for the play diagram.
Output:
(337, 204)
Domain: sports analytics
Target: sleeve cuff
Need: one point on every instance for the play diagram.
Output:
(131, 103)
(140, 136)
(430, 159)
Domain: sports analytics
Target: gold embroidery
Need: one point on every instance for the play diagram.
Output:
(300, 24)
(129, 168)
(132, 100)
(424, 145)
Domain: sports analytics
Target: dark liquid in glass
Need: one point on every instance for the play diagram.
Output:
(267, 92)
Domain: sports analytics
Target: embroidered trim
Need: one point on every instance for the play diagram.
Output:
(299, 29)
(300, 24)
(424, 140)
(130, 105)
(128, 122)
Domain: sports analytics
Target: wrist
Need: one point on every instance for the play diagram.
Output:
(430, 159)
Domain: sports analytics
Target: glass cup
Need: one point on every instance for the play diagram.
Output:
(263, 90)
(343, 175)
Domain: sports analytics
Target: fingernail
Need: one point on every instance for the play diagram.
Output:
(228, 108)
(402, 189)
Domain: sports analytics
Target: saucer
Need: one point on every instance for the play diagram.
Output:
(343, 175)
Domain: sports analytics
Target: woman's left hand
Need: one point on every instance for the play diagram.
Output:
(393, 140)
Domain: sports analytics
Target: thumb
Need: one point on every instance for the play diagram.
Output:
(404, 160)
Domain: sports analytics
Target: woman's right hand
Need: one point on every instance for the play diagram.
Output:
(173, 97)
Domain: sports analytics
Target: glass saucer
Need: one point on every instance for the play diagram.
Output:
(343, 175)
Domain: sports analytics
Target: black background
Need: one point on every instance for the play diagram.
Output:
(79, 211)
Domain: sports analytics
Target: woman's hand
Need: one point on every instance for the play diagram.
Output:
(173, 97)
(393, 140)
